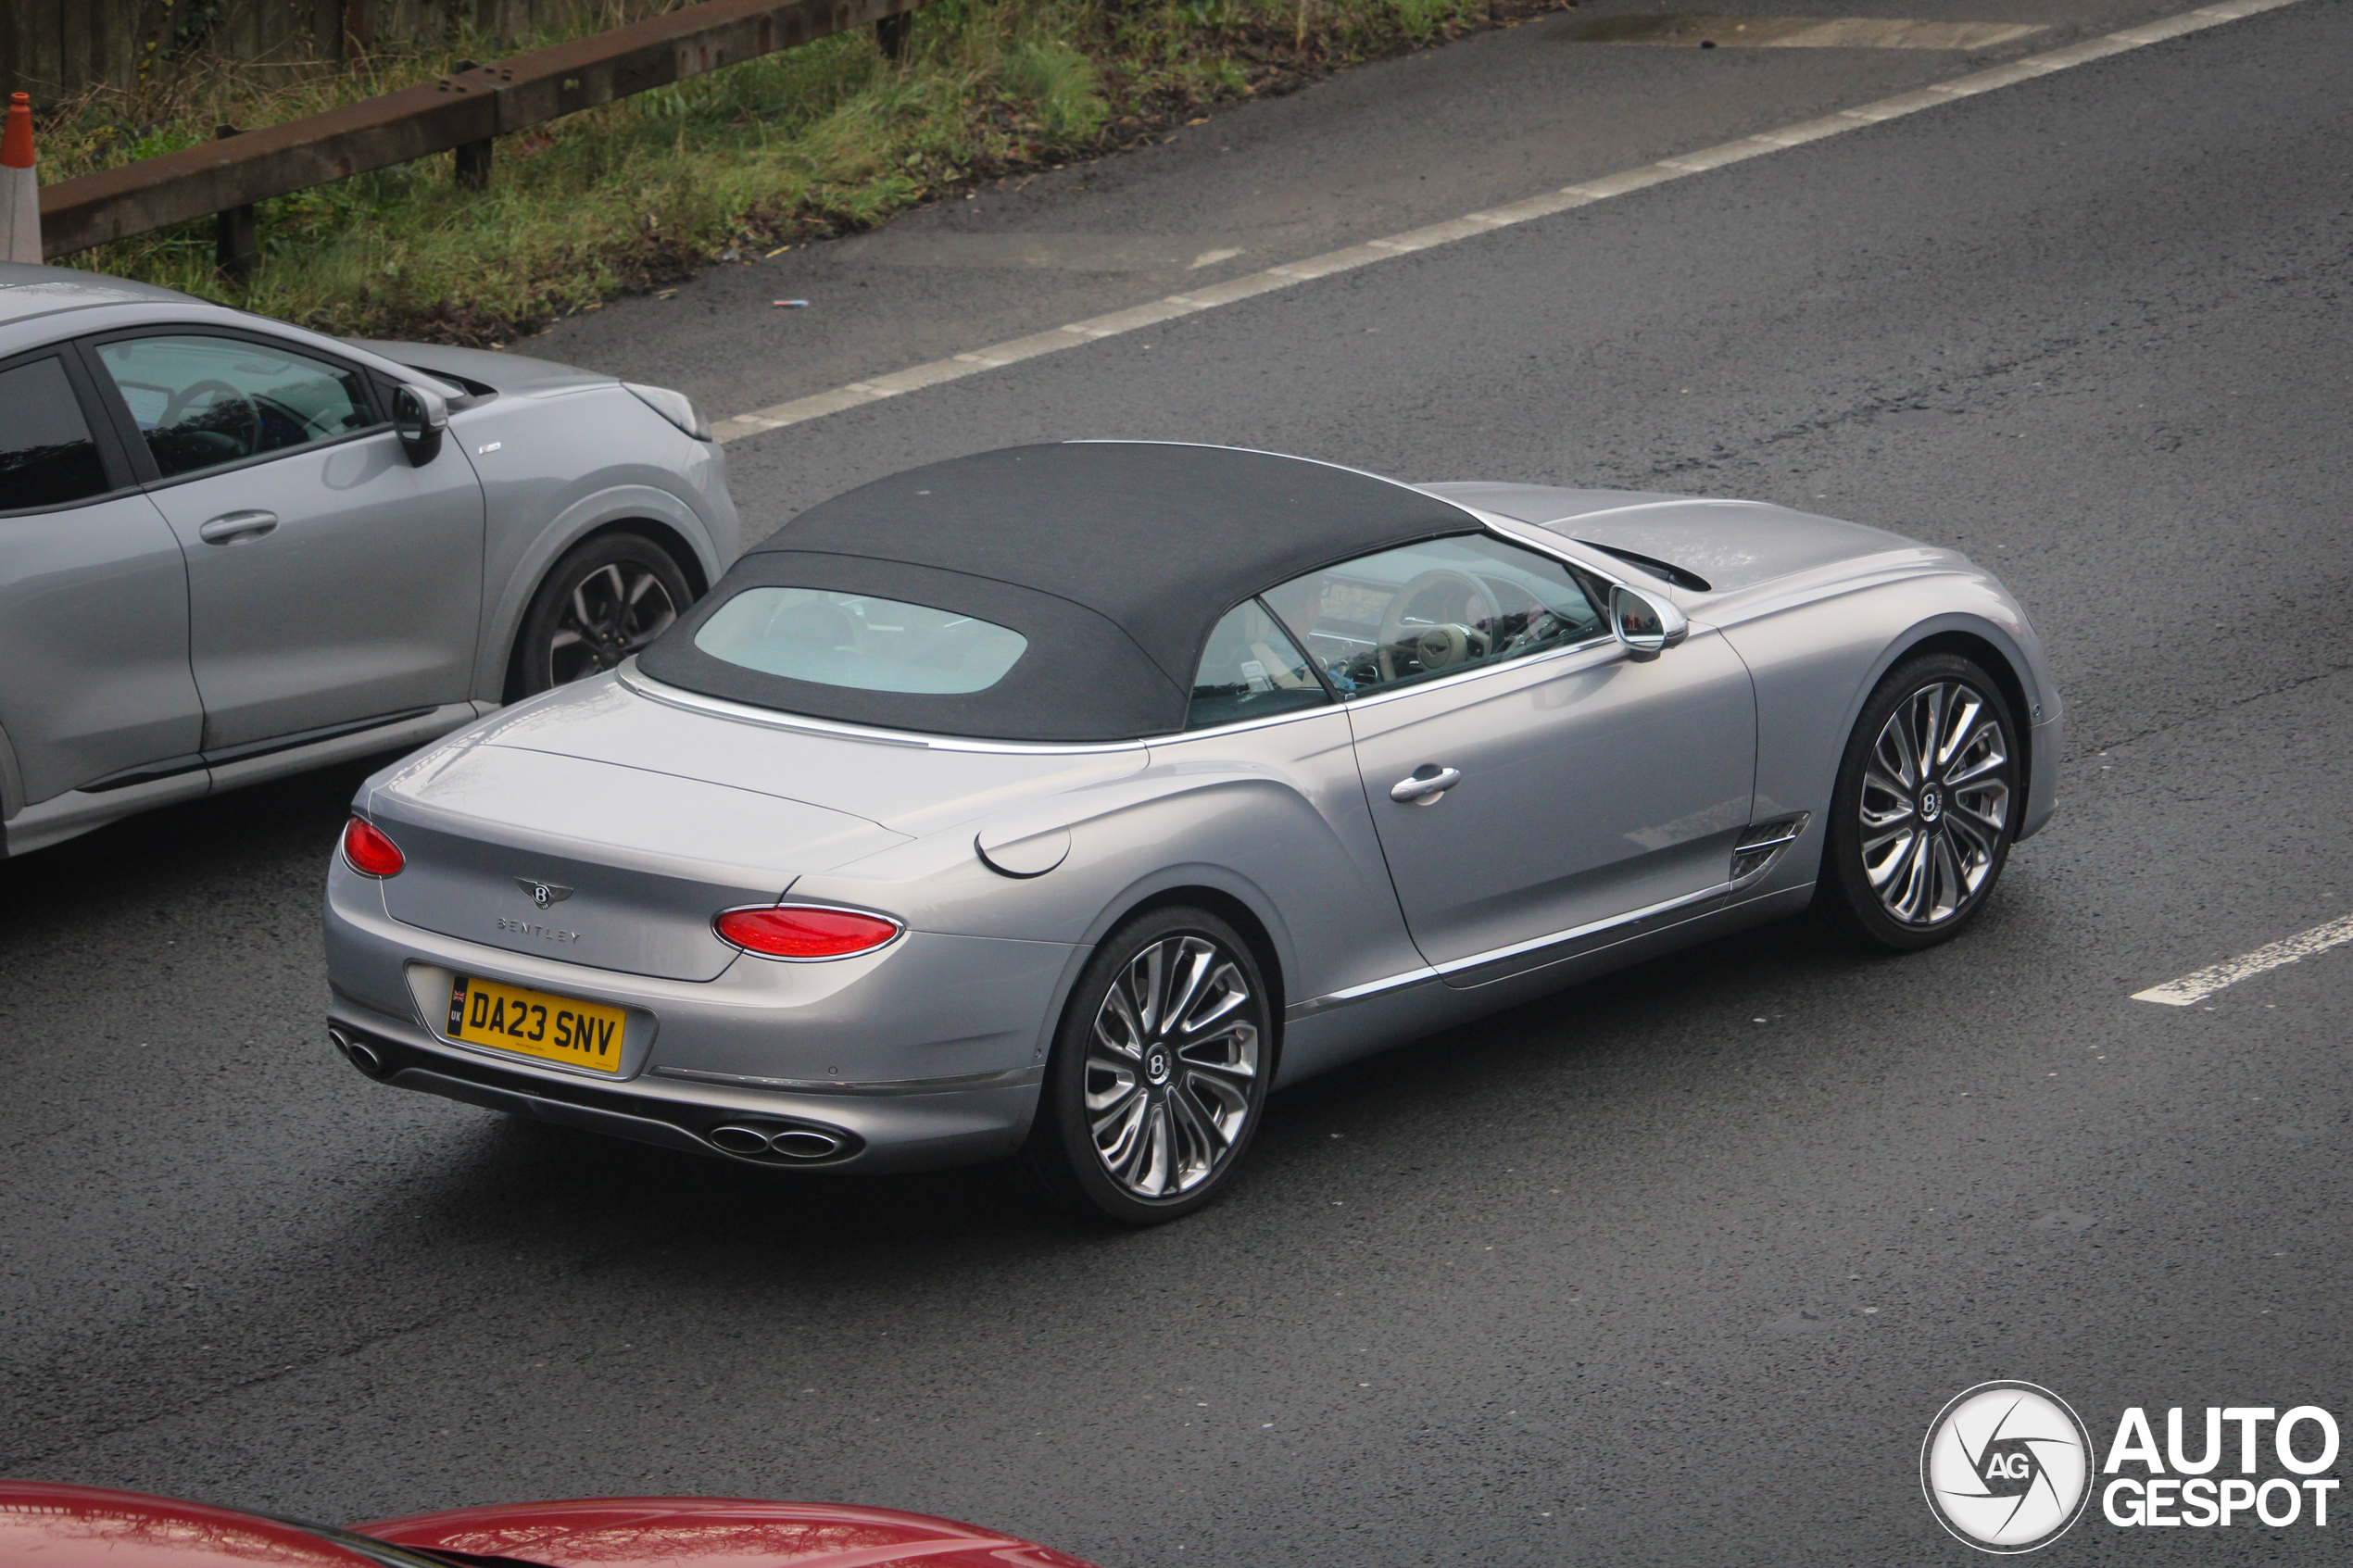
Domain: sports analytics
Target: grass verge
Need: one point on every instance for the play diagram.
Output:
(807, 143)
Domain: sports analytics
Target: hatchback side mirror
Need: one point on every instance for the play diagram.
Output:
(418, 417)
(1648, 627)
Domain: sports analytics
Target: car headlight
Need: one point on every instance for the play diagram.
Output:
(676, 407)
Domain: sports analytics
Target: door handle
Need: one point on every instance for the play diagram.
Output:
(235, 528)
(1429, 783)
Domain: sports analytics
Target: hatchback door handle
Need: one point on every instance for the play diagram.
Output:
(1429, 783)
(235, 528)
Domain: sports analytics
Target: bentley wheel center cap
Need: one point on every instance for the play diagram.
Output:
(1156, 1066)
(1932, 804)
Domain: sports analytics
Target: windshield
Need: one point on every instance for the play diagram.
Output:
(865, 644)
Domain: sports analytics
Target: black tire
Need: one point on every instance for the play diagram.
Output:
(1202, 1099)
(633, 591)
(1897, 887)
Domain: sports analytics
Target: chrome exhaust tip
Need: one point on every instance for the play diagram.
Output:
(793, 1144)
(806, 1143)
(358, 1053)
(740, 1140)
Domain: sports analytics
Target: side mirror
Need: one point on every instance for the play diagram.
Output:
(1648, 627)
(418, 417)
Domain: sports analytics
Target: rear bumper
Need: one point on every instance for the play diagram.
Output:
(927, 1055)
(866, 1133)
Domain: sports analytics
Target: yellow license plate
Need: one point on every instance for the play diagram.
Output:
(482, 1013)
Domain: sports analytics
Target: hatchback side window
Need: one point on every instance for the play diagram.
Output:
(47, 458)
(1249, 670)
(203, 401)
(1436, 608)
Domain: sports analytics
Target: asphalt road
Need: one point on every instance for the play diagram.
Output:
(1673, 1268)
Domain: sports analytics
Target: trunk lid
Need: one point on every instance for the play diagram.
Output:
(906, 787)
(593, 861)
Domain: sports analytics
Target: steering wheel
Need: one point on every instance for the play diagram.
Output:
(1442, 645)
(187, 395)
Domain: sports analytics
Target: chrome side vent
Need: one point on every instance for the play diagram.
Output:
(1758, 847)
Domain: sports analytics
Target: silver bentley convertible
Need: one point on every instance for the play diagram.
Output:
(1061, 802)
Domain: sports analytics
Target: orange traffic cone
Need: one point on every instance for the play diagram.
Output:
(19, 186)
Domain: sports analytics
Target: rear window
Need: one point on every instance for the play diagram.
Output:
(864, 644)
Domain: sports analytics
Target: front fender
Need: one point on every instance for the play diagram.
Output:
(530, 553)
(1817, 657)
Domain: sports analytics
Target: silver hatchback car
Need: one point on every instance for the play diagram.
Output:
(232, 549)
(1061, 801)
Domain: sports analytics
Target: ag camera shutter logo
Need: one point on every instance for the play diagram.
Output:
(2007, 1467)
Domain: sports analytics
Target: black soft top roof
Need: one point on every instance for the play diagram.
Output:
(1113, 557)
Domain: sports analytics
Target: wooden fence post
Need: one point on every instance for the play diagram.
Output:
(473, 157)
(233, 240)
(357, 34)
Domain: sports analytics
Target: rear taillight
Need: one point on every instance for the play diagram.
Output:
(368, 852)
(805, 931)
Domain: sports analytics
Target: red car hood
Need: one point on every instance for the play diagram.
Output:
(711, 1533)
(52, 1524)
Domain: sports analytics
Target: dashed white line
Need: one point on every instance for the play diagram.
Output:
(1292, 273)
(2230, 972)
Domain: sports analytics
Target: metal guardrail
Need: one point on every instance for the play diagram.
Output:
(463, 111)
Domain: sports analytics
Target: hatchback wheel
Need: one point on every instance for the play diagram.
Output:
(1159, 1072)
(1925, 807)
(606, 598)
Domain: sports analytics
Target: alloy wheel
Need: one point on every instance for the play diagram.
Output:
(1171, 1064)
(1935, 803)
(614, 612)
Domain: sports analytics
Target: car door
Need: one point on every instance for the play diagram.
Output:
(329, 581)
(1531, 785)
(95, 683)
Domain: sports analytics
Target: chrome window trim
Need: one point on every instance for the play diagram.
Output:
(1464, 677)
(1323, 710)
(695, 702)
(1544, 542)
(644, 686)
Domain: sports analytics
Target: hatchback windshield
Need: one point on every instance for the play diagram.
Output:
(851, 640)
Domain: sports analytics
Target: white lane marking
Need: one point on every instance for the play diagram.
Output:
(2230, 972)
(1799, 32)
(1291, 274)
